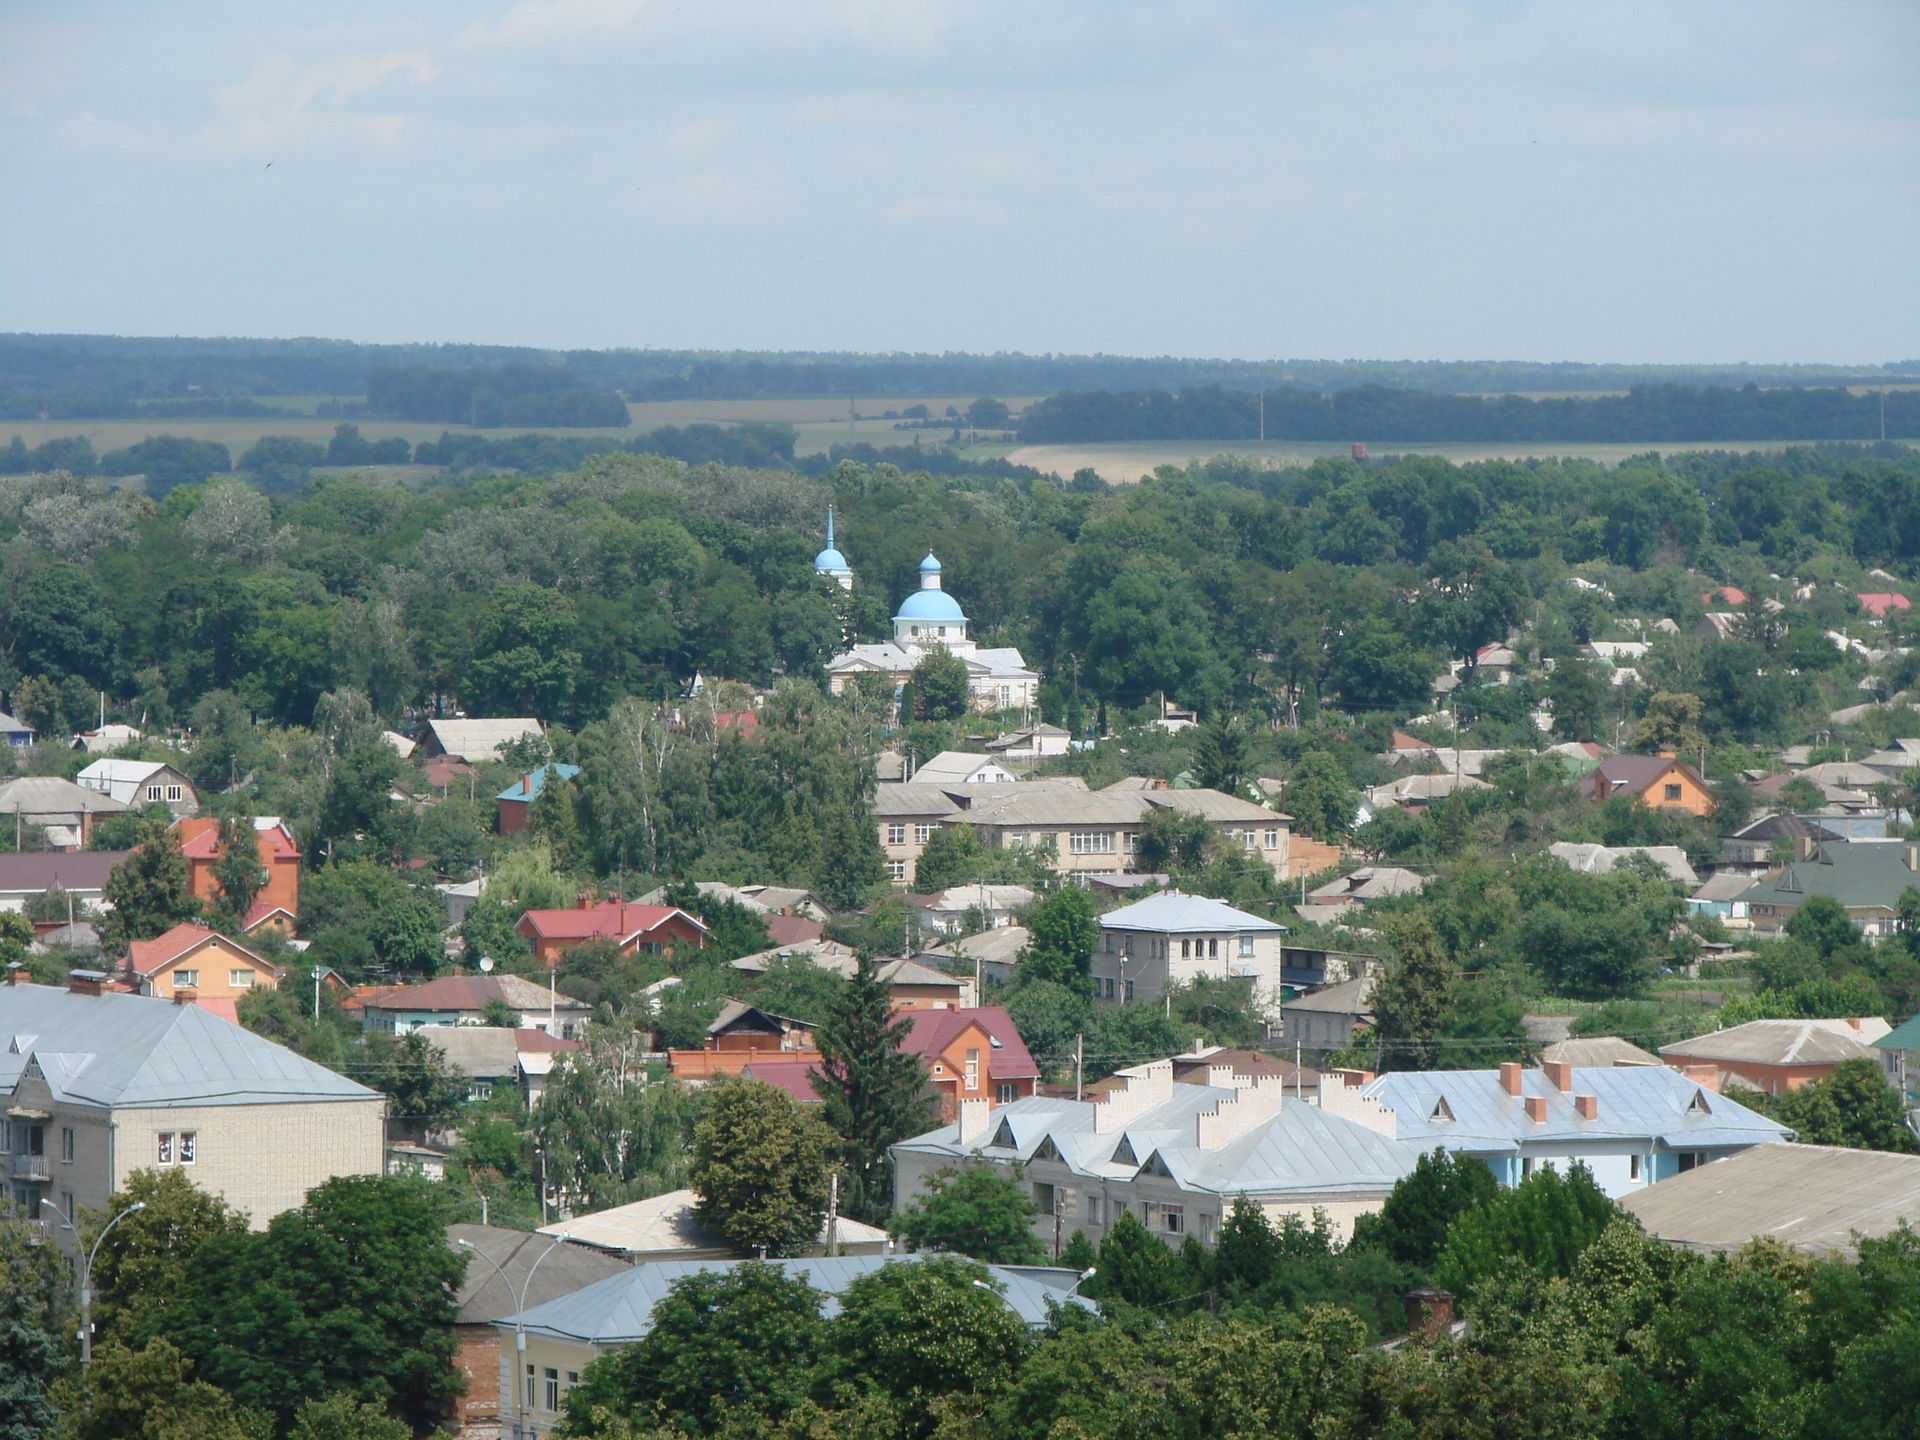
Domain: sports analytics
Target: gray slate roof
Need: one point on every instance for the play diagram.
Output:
(619, 1309)
(1178, 912)
(1775, 1042)
(139, 1050)
(484, 1295)
(33, 795)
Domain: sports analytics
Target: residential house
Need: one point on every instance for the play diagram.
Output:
(1899, 1051)
(96, 1083)
(1034, 742)
(1097, 831)
(196, 965)
(16, 733)
(1854, 775)
(64, 810)
(1601, 859)
(632, 929)
(1883, 603)
(564, 1336)
(991, 955)
(1203, 1065)
(1758, 844)
(1895, 760)
(1415, 793)
(1172, 939)
(1629, 1125)
(1339, 898)
(956, 767)
(491, 1054)
(502, 1267)
(907, 815)
(106, 739)
(513, 805)
(463, 1000)
(965, 909)
(1864, 876)
(1774, 1055)
(668, 1227)
(1173, 1156)
(743, 1035)
(910, 984)
(1589, 1050)
(140, 783)
(1723, 896)
(1660, 782)
(1319, 1023)
(477, 742)
(1817, 1198)
(80, 874)
(972, 1055)
(277, 903)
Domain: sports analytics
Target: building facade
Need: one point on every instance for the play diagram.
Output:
(1172, 939)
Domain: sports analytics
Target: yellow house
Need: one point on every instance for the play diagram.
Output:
(191, 962)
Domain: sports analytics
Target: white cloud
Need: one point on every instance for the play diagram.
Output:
(283, 101)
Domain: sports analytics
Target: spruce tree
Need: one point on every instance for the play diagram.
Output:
(149, 889)
(237, 871)
(874, 1094)
(1411, 1003)
(851, 865)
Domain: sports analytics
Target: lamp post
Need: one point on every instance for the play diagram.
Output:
(519, 1325)
(86, 1269)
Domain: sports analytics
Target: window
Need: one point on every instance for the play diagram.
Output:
(1186, 949)
(1673, 792)
(530, 1376)
(1251, 839)
(1526, 1169)
(1206, 1229)
(922, 834)
(176, 1147)
(1213, 948)
(1106, 987)
(153, 792)
(550, 1398)
(652, 947)
(1173, 1218)
(1091, 842)
(1272, 840)
(1633, 1167)
(1689, 1160)
(1043, 1197)
(973, 1069)
(186, 979)
(896, 834)
(1093, 1209)
(897, 870)
(163, 1151)
(1004, 1094)
(1129, 994)
(240, 979)
(1132, 841)
(1246, 947)
(188, 1144)
(174, 792)
(573, 1378)
(66, 1144)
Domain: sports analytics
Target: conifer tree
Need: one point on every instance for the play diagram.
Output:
(851, 865)
(1411, 1003)
(149, 889)
(237, 871)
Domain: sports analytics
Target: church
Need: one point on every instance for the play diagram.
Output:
(999, 679)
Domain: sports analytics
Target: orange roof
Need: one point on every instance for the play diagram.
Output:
(613, 919)
(148, 956)
(1880, 602)
(1727, 594)
(199, 838)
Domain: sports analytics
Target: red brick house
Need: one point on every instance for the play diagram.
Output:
(277, 904)
(648, 929)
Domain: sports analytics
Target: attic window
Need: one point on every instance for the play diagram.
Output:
(1123, 1153)
(1003, 1137)
(1047, 1151)
(1441, 1111)
(1698, 1105)
(993, 1042)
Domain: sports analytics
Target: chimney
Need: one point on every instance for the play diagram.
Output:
(973, 1121)
(1588, 1106)
(526, 784)
(1913, 857)
(585, 897)
(1510, 1073)
(1559, 1074)
(185, 997)
(1537, 1109)
(17, 975)
(1429, 1315)
(87, 982)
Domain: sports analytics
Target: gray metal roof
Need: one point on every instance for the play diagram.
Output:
(1813, 1196)
(1650, 1103)
(619, 1309)
(1174, 911)
(1781, 1042)
(33, 795)
(484, 1295)
(139, 1050)
(1349, 997)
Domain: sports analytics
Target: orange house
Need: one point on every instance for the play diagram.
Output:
(277, 904)
(192, 964)
(1660, 782)
(971, 1055)
(648, 929)
(1775, 1056)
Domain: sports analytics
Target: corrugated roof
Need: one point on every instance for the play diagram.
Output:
(470, 992)
(137, 1050)
(1178, 912)
(33, 795)
(481, 740)
(671, 1222)
(484, 1295)
(1601, 859)
(1815, 1197)
(619, 1309)
(619, 920)
(1776, 1042)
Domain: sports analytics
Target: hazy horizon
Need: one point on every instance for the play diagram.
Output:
(1541, 180)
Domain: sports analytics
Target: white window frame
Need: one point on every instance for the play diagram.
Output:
(897, 834)
(241, 979)
(550, 1389)
(1005, 1093)
(153, 792)
(973, 1069)
(1246, 947)
(897, 870)
(1090, 842)
(175, 792)
(1272, 840)
(186, 979)
(922, 834)
(1173, 1219)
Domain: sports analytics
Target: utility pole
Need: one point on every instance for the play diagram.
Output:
(1079, 1064)
(833, 1214)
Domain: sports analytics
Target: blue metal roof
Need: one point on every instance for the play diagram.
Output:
(830, 559)
(929, 566)
(930, 605)
(619, 1309)
(1179, 912)
(536, 782)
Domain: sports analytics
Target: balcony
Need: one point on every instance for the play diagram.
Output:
(30, 1168)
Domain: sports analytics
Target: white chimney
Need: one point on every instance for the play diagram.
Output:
(974, 1122)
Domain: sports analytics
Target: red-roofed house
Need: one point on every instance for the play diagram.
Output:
(278, 901)
(972, 1055)
(192, 963)
(786, 930)
(645, 928)
(1880, 604)
(1725, 595)
(1660, 782)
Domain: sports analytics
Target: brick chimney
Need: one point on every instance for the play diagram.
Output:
(1588, 1106)
(1559, 1074)
(1537, 1109)
(17, 975)
(526, 784)
(585, 899)
(1429, 1315)
(1510, 1074)
(87, 982)
(973, 1121)
(185, 997)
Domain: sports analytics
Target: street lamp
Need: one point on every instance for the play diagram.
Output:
(86, 1269)
(519, 1325)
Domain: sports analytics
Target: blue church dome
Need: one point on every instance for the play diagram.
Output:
(929, 566)
(931, 605)
(830, 559)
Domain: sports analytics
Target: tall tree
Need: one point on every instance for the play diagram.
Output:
(608, 1136)
(1411, 1003)
(873, 1094)
(760, 1167)
(148, 890)
(852, 865)
(35, 1326)
(1062, 932)
(237, 870)
(1412, 1225)
(147, 1394)
(1223, 755)
(937, 689)
(974, 1211)
(145, 1262)
(1321, 799)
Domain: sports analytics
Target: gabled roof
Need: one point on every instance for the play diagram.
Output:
(198, 837)
(1878, 603)
(1177, 913)
(1780, 825)
(488, 1052)
(618, 920)
(951, 767)
(1780, 1042)
(480, 741)
(33, 795)
(1601, 859)
(932, 1031)
(1860, 875)
(148, 957)
(530, 786)
(137, 1050)
(33, 871)
(910, 800)
(122, 779)
(452, 993)
(1905, 1036)
(1598, 1050)
(1630, 774)
(11, 726)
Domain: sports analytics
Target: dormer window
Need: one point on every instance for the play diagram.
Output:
(1698, 1105)
(1442, 1112)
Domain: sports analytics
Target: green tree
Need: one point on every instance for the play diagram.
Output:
(1173, 841)
(976, 1211)
(723, 1346)
(413, 1073)
(341, 1417)
(1671, 721)
(1412, 1225)
(358, 816)
(146, 1261)
(760, 1167)
(1852, 1105)
(873, 1093)
(1321, 799)
(1544, 1224)
(36, 1320)
(1223, 755)
(1135, 1267)
(1248, 1250)
(1821, 923)
(525, 655)
(1411, 1002)
(986, 413)
(851, 864)
(349, 1294)
(147, 1394)
(1062, 932)
(408, 932)
(499, 1015)
(952, 856)
(148, 890)
(612, 1137)
(937, 689)
(237, 871)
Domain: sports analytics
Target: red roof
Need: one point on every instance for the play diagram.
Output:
(468, 992)
(792, 1076)
(614, 919)
(744, 722)
(792, 929)
(529, 1042)
(199, 839)
(1404, 741)
(147, 956)
(934, 1030)
(1879, 603)
(1726, 594)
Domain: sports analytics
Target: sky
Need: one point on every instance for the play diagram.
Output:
(1598, 180)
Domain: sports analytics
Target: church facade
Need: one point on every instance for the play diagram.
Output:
(998, 678)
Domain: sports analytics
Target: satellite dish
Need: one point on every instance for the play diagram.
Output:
(486, 963)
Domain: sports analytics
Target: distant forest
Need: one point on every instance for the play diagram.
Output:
(1655, 413)
(115, 377)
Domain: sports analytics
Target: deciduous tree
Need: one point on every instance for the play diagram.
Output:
(760, 1167)
(976, 1211)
